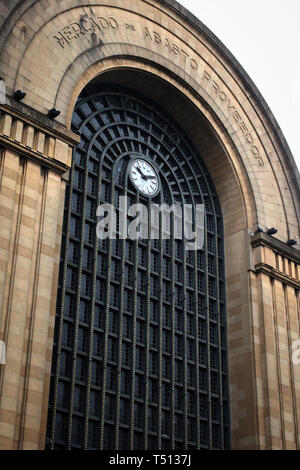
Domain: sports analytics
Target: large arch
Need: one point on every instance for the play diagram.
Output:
(197, 59)
(51, 53)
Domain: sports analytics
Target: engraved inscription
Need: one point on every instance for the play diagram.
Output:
(83, 27)
(131, 27)
(221, 97)
(172, 48)
(95, 29)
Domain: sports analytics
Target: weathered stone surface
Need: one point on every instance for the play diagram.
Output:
(51, 50)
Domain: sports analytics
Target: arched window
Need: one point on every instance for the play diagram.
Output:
(141, 324)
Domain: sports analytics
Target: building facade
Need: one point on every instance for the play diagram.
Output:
(141, 344)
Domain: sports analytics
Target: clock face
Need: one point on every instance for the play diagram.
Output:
(144, 177)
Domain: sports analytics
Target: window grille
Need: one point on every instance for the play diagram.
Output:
(158, 306)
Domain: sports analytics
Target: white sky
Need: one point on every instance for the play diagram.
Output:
(264, 36)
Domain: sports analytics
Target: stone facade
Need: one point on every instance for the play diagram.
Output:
(33, 161)
(51, 50)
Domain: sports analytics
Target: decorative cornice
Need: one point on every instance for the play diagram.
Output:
(275, 274)
(40, 121)
(279, 247)
(34, 136)
(32, 155)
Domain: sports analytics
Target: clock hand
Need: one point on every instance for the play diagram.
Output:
(145, 177)
(140, 171)
(149, 177)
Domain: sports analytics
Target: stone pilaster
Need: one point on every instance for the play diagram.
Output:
(35, 158)
(275, 280)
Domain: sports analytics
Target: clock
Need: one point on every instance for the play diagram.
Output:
(144, 177)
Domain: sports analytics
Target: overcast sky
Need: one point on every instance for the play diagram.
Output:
(264, 36)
